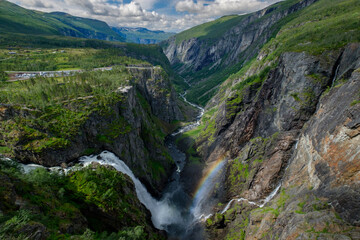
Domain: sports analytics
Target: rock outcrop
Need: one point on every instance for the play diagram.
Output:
(132, 129)
(298, 129)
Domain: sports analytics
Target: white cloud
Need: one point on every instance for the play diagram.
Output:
(137, 13)
(221, 7)
(147, 4)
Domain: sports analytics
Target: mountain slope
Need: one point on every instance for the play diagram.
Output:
(207, 54)
(287, 124)
(142, 35)
(15, 19)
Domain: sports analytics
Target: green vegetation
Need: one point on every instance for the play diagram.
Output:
(57, 107)
(63, 59)
(205, 130)
(279, 204)
(3, 76)
(211, 30)
(16, 19)
(238, 231)
(324, 25)
(301, 208)
(65, 206)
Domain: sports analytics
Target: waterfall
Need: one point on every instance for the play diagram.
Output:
(176, 212)
(205, 188)
(163, 212)
(264, 201)
(271, 195)
(335, 76)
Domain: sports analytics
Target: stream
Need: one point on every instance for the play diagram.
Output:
(179, 213)
(176, 212)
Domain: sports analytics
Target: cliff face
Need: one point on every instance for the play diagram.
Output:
(131, 128)
(95, 198)
(198, 58)
(288, 131)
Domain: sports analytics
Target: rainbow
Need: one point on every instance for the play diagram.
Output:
(203, 188)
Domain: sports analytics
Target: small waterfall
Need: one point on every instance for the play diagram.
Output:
(239, 200)
(271, 196)
(264, 201)
(335, 76)
(227, 206)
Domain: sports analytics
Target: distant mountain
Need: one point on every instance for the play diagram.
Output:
(15, 19)
(142, 35)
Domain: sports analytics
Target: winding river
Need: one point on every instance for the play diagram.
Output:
(177, 212)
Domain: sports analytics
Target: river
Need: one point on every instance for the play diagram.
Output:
(178, 213)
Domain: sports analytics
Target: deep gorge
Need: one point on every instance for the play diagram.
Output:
(246, 127)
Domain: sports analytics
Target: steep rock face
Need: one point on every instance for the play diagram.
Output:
(328, 152)
(131, 129)
(287, 131)
(239, 44)
(155, 86)
(196, 54)
(320, 193)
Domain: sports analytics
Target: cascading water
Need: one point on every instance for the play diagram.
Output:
(176, 212)
(192, 125)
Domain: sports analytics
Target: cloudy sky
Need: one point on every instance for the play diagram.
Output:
(170, 15)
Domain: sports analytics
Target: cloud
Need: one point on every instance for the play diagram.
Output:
(147, 4)
(221, 7)
(177, 15)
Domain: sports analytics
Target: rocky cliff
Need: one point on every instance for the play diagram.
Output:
(91, 203)
(297, 128)
(133, 126)
(205, 61)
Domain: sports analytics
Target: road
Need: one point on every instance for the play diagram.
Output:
(25, 75)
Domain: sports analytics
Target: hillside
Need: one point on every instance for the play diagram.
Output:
(207, 54)
(142, 35)
(96, 143)
(286, 127)
(15, 19)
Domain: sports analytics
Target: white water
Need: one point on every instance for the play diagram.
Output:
(194, 124)
(173, 212)
(264, 201)
(271, 196)
(163, 212)
(335, 76)
(239, 200)
(200, 202)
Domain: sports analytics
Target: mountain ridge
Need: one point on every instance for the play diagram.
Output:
(15, 19)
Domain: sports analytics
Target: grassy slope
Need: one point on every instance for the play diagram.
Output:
(210, 30)
(325, 25)
(15, 19)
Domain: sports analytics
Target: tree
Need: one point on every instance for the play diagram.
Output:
(3, 76)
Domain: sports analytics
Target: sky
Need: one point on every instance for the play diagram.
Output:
(170, 16)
